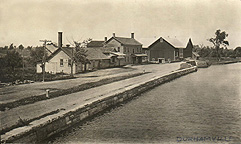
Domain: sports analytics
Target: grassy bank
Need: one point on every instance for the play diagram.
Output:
(223, 60)
(53, 94)
(25, 122)
(27, 75)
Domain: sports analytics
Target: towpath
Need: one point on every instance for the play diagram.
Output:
(31, 111)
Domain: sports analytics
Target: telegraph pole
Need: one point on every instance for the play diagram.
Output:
(44, 57)
(72, 61)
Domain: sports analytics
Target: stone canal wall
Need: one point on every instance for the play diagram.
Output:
(43, 128)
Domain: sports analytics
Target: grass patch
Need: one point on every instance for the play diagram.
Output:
(33, 99)
(24, 122)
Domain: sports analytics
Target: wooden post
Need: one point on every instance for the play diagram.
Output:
(44, 57)
(72, 62)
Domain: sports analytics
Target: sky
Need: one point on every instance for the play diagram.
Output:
(28, 21)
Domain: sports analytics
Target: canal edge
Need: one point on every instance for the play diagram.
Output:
(43, 128)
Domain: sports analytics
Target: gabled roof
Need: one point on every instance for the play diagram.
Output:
(125, 41)
(95, 54)
(92, 53)
(175, 43)
(147, 41)
(51, 48)
(96, 44)
(66, 50)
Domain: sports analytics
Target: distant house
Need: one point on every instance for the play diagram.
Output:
(188, 51)
(169, 49)
(60, 61)
(128, 46)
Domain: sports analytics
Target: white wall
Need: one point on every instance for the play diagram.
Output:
(53, 65)
(116, 44)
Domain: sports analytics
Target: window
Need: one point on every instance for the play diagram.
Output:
(176, 54)
(118, 49)
(112, 59)
(124, 50)
(133, 50)
(61, 62)
(69, 62)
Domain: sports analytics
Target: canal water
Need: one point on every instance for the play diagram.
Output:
(204, 106)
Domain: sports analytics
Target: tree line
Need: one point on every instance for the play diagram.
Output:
(16, 62)
(219, 48)
(207, 51)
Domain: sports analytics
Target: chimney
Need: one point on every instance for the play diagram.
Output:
(105, 39)
(132, 35)
(59, 39)
(113, 34)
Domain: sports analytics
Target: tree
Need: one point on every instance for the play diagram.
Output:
(21, 47)
(37, 54)
(11, 46)
(237, 51)
(218, 41)
(79, 54)
(29, 48)
(5, 47)
(13, 59)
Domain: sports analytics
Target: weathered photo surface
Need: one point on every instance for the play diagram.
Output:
(123, 71)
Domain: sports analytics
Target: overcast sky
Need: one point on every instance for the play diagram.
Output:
(27, 21)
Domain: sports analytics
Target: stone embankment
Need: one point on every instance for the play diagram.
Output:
(43, 128)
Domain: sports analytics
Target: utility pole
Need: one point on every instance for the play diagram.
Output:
(72, 62)
(44, 57)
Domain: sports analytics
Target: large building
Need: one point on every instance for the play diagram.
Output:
(130, 47)
(169, 49)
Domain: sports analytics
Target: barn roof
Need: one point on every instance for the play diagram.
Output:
(175, 43)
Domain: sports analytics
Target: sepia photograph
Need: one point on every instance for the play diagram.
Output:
(120, 71)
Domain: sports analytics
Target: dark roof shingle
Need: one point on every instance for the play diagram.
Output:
(96, 44)
(92, 53)
(95, 54)
(125, 41)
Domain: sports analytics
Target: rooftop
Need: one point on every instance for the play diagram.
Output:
(126, 41)
(96, 44)
(95, 54)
